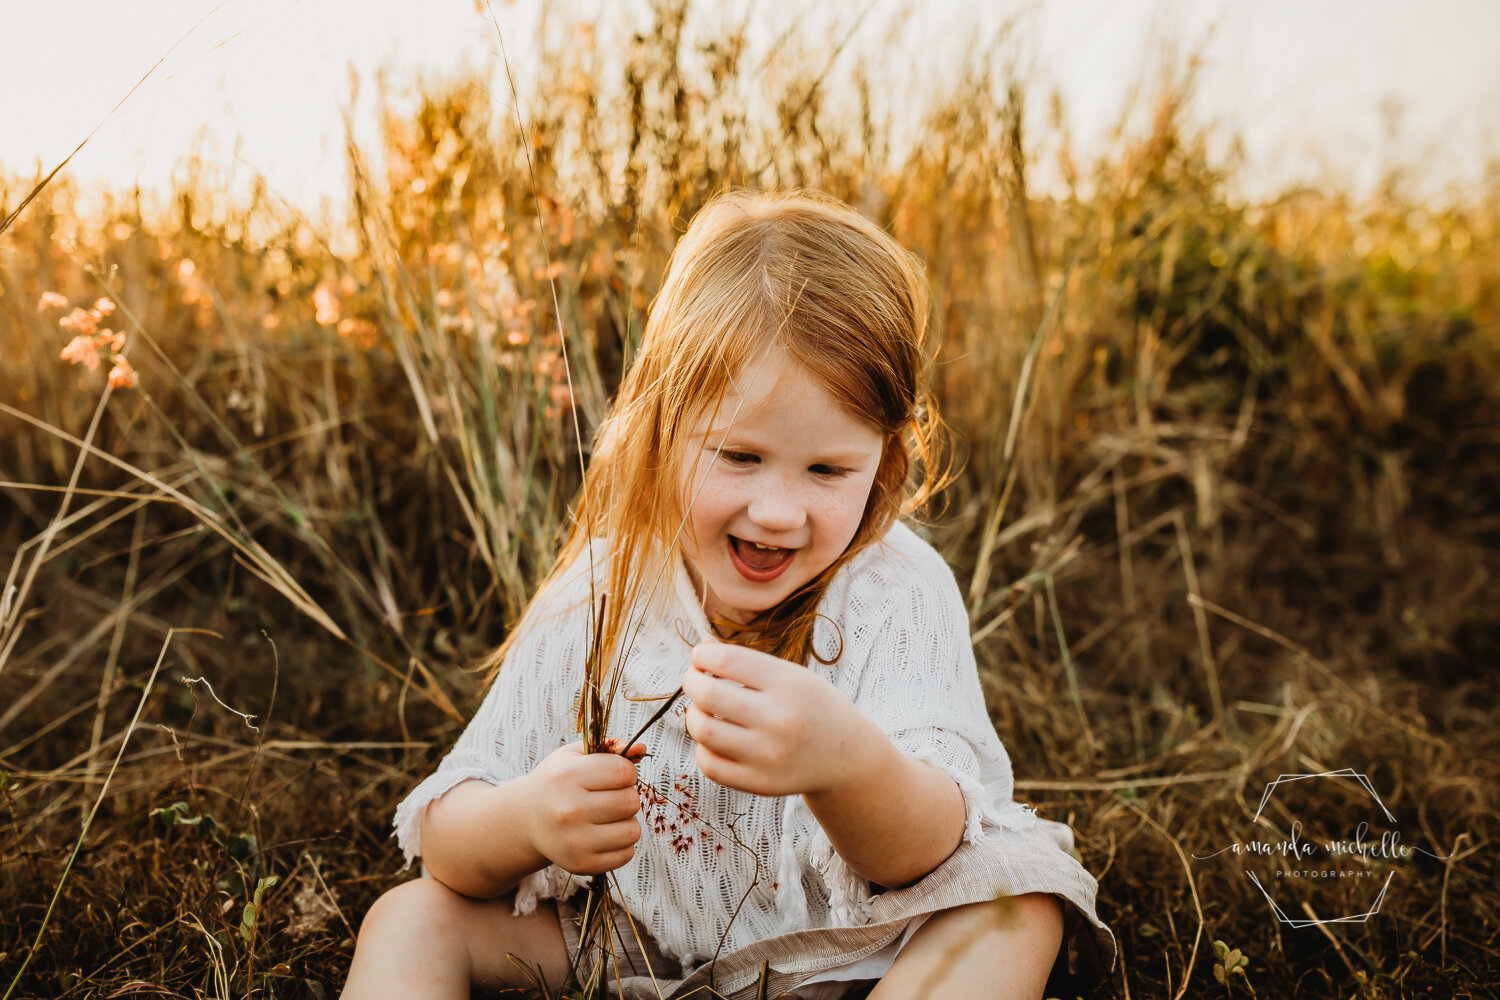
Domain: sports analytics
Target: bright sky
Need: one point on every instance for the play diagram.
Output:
(260, 84)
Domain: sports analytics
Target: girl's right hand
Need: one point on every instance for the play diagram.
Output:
(583, 809)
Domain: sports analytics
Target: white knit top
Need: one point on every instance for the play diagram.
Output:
(906, 662)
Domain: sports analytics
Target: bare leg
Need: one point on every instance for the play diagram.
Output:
(1001, 950)
(423, 940)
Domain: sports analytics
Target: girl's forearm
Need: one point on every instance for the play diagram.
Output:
(475, 839)
(892, 818)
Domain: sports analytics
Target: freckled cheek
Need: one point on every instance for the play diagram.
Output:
(839, 513)
(712, 508)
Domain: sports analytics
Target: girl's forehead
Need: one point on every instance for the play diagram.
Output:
(758, 386)
(763, 394)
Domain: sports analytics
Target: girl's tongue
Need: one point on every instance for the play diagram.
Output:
(758, 558)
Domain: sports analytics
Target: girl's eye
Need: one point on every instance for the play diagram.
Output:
(829, 471)
(740, 457)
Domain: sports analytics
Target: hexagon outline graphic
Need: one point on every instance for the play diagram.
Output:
(1357, 918)
(1281, 915)
(1343, 772)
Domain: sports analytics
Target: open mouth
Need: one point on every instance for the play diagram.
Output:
(759, 563)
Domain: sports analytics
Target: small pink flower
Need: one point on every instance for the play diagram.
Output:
(82, 351)
(122, 376)
(80, 321)
(51, 300)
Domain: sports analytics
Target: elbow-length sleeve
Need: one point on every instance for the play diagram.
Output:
(920, 685)
(911, 670)
(525, 715)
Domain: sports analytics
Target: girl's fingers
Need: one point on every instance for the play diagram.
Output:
(723, 771)
(619, 835)
(723, 737)
(604, 772)
(616, 859)
(603, 808)
(719, 697)
(735, 663)
(634, 754)
(624, 802)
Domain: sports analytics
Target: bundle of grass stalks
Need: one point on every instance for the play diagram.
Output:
(1226, 511)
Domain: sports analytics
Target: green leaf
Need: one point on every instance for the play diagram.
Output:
(171, 815)
(252, 908)
(242, 846)
(176, 814)
(1221, 949)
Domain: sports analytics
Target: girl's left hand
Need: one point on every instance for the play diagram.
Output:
(767, 726)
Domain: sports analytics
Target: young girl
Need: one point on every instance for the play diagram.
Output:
(828, 797)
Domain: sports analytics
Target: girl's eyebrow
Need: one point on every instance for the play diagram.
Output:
(843, 458)
(854, 457)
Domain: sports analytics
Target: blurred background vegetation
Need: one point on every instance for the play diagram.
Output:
(1226, 510)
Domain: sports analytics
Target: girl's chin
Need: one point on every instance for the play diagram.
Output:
(744, 607)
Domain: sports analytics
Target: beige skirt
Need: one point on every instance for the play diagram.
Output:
(818, 964)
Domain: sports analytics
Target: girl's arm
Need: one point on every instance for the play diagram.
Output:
(770, 727)
(892, 818)
(474, 838)
(575, 810)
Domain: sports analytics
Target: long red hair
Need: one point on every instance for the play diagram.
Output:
(799, 271)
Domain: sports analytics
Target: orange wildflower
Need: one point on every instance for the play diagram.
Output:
(122, 376)
(80, 321)
(51, 300)
(81, 350)
(103, 307)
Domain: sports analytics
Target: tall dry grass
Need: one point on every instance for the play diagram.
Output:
(1226, 509)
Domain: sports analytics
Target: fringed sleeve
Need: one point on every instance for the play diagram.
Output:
(526, 714)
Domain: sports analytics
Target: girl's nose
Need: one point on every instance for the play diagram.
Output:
(777, 510)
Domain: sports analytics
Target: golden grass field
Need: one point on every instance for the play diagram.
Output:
(1226, 510)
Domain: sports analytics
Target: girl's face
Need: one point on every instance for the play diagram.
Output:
(774, 489)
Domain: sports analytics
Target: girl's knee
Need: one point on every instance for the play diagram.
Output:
(421, 905)
(1040, 911)
(1029, 925)
(1035, 918)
